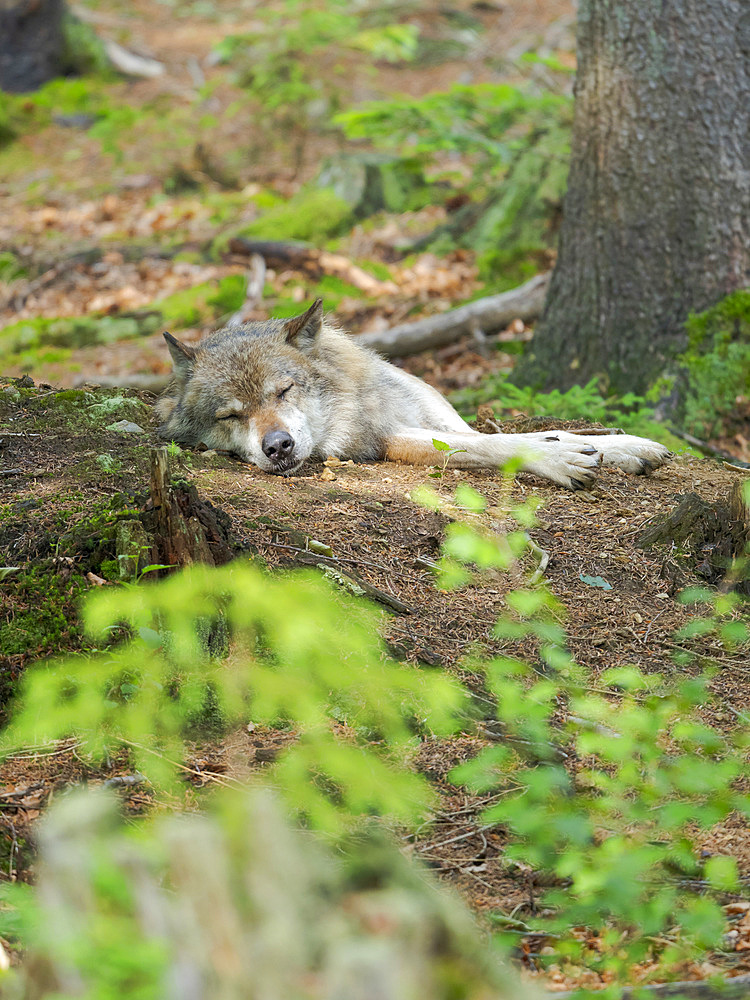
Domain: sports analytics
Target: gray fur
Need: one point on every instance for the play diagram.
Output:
(304, 377)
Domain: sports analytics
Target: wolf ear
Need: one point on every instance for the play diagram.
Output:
(302, 331)
(182, 356)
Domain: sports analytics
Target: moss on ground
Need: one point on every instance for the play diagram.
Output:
(313, 215)
(43, 603)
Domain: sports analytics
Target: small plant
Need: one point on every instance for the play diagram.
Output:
(605, 785)
(448, 453)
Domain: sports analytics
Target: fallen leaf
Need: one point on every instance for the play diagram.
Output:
(596, 581)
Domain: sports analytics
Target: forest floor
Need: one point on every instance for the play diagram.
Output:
(101, 233)
(72, 477)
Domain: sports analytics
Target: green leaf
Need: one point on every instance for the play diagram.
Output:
(721, 872)
(596, 581)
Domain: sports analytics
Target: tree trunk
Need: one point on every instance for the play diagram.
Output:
(657, 213)
(31, 43)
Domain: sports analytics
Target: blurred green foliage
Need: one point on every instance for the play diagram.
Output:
(516, 141)
(713, 386)
(606, 782)
(295, 66)
(301, 653)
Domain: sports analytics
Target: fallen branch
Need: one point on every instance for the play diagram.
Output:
(701, 989)
(708, 449)
(480, 317)
(255, 282)
(313, 262)
(131, 64)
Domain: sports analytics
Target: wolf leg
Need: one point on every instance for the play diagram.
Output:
(572, 464)
(623, 451)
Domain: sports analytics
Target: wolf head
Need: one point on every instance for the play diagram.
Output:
(248, 390)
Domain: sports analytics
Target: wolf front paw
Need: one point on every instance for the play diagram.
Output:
(636, 455)
(572, 464)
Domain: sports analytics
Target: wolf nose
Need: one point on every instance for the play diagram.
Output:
(277, 445)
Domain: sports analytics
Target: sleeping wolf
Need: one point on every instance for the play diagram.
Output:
(280, 392)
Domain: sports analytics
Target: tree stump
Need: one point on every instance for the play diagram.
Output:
(709, 539)
(184, 528)
(31, 43)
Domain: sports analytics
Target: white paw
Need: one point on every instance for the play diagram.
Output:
(571, 462)
(631, 454)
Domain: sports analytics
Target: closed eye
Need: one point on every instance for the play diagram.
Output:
(282, 392)
(228, 416)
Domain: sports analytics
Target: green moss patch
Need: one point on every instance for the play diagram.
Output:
(714, 383)
(312, 215)
(43, 613)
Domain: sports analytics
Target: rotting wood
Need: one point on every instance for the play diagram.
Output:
(184, 528)
(711, 537)
(488, 314)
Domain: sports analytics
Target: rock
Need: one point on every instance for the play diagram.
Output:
(126, 427)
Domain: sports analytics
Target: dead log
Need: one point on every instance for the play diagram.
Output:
(710, 539)
(483, 316)
(709, 449)
(184, 528)
(313, 262)
(736, 988)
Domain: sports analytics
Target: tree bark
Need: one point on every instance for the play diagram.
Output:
(657, 213)
(31, 43)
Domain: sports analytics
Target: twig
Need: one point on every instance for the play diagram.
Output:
(56, 747)
(709, 449)
(454, 840)
(334, 559)
(232, 783)
(13, 848)
(651, 623)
